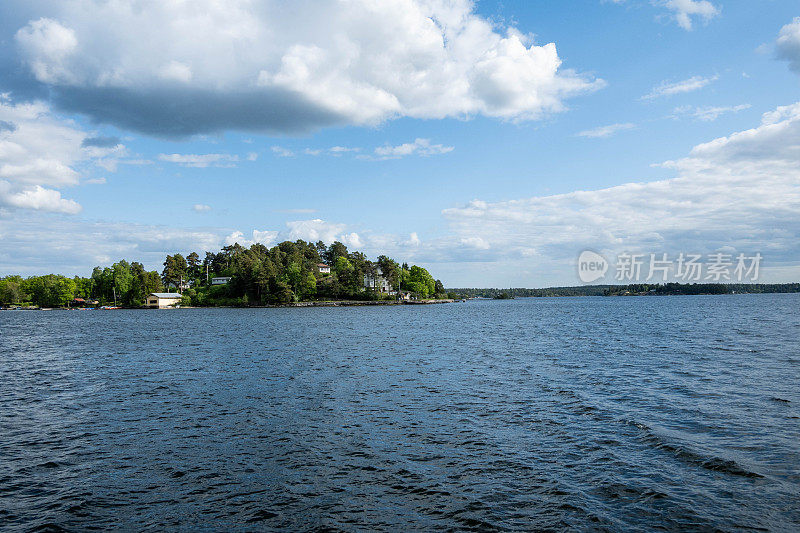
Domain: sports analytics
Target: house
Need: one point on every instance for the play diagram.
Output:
(220, 281)
(378, 282)
(323, 268)
(163, 300)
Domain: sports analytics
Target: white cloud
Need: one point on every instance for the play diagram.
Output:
(606, 131)
(200, 160)
(420, 147)
(787, 46)
(37, 198)
(352, 240)
(314, 230)
(282, 152)
(48, 44)
(708, 113)
(263, 237)
(176, 71)
(201, 208)
(335, 151)
(272, 66)
(671, 88)
(40, 153)
(475, 242)
(738, 192)
(684, 10)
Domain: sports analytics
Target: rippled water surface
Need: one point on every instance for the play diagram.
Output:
(584, 413)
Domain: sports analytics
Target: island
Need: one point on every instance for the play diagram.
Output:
(291, 273)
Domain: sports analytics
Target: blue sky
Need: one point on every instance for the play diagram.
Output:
(447, 134)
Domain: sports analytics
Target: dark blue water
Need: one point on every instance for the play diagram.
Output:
(582, 413)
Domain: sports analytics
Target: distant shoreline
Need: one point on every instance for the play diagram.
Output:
(638, 289)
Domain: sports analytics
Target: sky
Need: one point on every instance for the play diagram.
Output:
(491, 142)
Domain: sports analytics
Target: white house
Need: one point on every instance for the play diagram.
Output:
(378, 282)
(323, 268)
(163, 300)
(220, 281)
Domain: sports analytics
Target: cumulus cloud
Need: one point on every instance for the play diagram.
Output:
(277, 67)
(684, 10)
(606, 131)
(259, 237)
(201, 208)
(335, 151)
(201, 160)
(740, 192)
(671, 88)
(314, 230)
(787, 46)
(420, 147)
(280, 151)
(708, 113)
(37, 198)
(40, 153)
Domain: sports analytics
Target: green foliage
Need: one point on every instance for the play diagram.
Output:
(175, 270)
(50, 290)
(189, 298)
(258, 275)
(421, 282)
(11, 290)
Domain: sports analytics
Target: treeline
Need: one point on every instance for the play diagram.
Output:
(122, 283)
(634, 289)
(700, 288)
(288, 272)
(588, 290)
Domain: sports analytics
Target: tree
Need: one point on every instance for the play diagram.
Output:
(50, 290)
(175, 270)
(439, 289)
(122, 279)
(390, 270)
(335, 251)
(11, 290)
(193, 262)
(420, 281)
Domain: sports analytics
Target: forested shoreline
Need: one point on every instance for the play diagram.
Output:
(657, 289)
(286, 273)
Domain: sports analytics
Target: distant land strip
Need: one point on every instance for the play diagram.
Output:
(639, 289)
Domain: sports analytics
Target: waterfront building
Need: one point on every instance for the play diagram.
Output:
(163, 300)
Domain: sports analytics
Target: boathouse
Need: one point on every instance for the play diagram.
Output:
(163, 300)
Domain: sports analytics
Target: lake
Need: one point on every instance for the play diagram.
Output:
(678, 412)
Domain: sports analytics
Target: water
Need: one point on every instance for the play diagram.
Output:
(582, 413)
